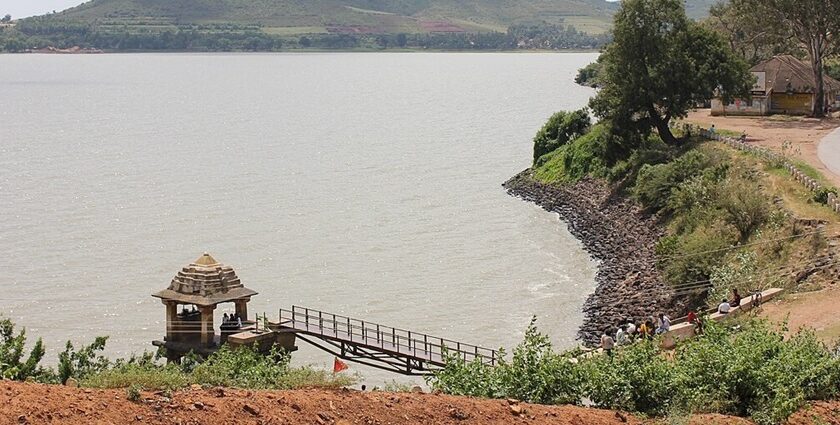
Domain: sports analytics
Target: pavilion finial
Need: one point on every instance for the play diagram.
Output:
(206, 260)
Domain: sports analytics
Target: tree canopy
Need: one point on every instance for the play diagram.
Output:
(815, 24)
(749, 34)
(661, 64)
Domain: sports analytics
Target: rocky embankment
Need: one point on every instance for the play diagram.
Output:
(615, 231)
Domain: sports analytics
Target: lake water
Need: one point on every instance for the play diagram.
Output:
(367, 185)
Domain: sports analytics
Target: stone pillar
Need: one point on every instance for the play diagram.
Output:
(171, 319)
(242, 308)
(207, 331)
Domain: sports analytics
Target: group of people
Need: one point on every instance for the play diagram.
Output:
(630, 331)
(231, 321)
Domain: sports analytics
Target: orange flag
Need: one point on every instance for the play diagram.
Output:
(339, 365)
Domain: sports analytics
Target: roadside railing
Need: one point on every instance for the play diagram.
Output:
(809, 183)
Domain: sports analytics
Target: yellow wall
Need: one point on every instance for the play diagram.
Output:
(799, 103)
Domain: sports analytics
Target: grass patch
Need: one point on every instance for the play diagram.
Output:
(798, 199)
(590, 24)
(810, 171)
(288, 31)
(150, 378)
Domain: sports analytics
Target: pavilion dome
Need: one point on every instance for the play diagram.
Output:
(205, 282)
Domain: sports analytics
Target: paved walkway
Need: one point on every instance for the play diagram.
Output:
(828, 151)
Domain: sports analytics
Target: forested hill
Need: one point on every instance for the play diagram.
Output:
(272, 25)
(368, 16)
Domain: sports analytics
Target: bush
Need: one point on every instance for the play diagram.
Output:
(577, 159)
(654, 152)
(752, 371)
(84, 362)
(560, 129)
(535, 374)
(133, 392)
(243, 367)
(12, 364)
(740, 273)
(692, 257)
(636, 379)
(744, 206)
(656, 182)
(588, 75)
(821, 195)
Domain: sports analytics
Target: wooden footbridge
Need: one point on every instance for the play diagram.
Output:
(379, 346)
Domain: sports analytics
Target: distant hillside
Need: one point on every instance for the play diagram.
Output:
(349, 16)
(274, 25)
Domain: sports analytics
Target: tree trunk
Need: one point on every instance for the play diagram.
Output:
(818, 107)
(664, 131)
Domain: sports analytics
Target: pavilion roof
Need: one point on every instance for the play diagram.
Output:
(205, 282)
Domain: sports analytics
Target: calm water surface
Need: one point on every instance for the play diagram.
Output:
(362, 184)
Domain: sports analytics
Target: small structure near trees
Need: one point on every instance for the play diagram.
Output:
(784, 85)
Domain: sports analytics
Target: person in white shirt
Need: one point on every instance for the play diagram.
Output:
(621, 337)
(724, 307)
(664, 324)
(631, 329)
(607, 343)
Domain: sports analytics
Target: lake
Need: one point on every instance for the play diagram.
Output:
(367, 185)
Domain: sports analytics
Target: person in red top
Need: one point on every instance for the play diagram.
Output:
(694, 320)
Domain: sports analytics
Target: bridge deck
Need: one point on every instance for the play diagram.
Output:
(377, 345)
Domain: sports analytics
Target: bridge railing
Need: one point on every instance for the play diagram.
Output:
(387, 338)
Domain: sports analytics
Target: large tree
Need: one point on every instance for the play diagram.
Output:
(660, 65)
(749, 34)
(813, 23)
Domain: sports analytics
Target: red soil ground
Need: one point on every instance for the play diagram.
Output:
(26, 403)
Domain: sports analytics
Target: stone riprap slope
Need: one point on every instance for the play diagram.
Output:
(615, 231)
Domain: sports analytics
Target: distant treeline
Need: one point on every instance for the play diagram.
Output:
(42, 32)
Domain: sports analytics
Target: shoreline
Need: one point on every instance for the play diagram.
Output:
(111, 52)
(617, 233)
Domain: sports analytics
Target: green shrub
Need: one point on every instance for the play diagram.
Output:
(656, 182)
(744, 206)
(82, 363)
(821, 195)
(637, 379)
(588, 75)
(535, 374)
(654, 152)
(692, 257)
(739, 273)
(754, 372)
(751, 370)
(560, 129)
(578, 159)
(133, 392)
(12, 363)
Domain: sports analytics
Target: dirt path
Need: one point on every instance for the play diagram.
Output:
(22, 403)
(26, 403)
(818, 310)
(804, 133)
